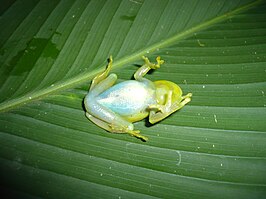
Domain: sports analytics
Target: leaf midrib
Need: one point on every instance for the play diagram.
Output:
(85, 77)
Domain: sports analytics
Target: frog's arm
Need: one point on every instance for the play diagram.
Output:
(169, 99)
(159, 112)
(142, 71)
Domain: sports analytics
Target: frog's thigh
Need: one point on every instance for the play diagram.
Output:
(107, 127)
(101, 76)
(98, 122)
(104, 84)
(116, 123)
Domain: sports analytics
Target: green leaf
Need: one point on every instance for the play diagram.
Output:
(213, 148)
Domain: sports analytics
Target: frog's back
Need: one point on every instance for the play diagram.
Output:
(128, 98)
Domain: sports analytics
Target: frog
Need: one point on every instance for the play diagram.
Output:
(115, 107)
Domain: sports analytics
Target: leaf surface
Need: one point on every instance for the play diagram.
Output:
(214, 147)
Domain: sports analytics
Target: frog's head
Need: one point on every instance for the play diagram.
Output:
(162, 89)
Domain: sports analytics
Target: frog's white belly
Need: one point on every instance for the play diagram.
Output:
(128, 97)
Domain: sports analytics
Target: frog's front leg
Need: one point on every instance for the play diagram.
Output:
(159, 112)
(142, 71)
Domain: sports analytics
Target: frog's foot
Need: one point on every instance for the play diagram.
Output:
(151, 65)
(128, 130)
(117, 129)
(137, 135)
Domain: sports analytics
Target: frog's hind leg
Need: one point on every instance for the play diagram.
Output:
(103, 85)
(111, 128)
(98, 122)
(103, 116)
(101, 76)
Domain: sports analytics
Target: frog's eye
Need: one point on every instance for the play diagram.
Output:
(162, 88)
